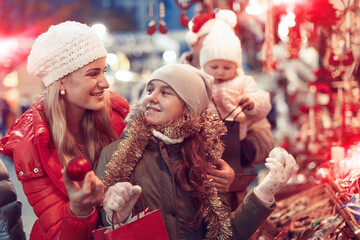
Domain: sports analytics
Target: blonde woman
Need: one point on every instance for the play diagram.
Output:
(76, 116)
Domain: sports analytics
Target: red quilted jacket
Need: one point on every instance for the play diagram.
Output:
(38, 168)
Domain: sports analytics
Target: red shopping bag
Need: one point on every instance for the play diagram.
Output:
(150, 226)
(145, 226)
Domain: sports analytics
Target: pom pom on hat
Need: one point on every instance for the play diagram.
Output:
(203, 23)
(193, 86)
(63, 49)
(221, 44)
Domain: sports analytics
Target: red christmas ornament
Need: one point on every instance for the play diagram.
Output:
(162, 27)
(77, 168)
(184, 20)
(151, 27)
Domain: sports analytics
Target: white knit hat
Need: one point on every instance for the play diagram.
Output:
(63, 49)
(221, 43)
(202, 24)
(193, 86)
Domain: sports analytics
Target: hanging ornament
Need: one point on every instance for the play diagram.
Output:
(183, 19)
(151, 28)
(269, 60)
(294, 43)
(162, 23)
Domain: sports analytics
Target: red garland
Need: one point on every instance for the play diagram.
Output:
(322, 13)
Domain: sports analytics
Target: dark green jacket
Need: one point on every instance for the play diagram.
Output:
(155, 174)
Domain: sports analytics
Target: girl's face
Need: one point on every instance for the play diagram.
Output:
(85, 87)
(162, 104)
(221, 70)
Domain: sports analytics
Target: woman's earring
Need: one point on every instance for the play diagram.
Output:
(62, 92)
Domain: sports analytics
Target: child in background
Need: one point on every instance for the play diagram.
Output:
(170, 143)
(236, 97)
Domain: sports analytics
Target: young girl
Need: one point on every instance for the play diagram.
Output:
(170, 144)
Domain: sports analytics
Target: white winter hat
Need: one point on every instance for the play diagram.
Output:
(202, 24)
(63, 49)
(193, 86)
(221, 44)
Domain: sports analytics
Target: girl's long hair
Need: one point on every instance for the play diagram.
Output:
(95, 127)
(191, 175)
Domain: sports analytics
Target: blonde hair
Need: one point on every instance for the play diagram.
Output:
(96, 127)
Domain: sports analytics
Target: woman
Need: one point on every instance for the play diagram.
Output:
(75, 116)
(170, 144)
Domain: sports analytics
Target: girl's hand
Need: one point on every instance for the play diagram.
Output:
(84, 196)
(121, 198)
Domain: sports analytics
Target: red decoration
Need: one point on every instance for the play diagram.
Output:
(321, 86)
(322, 13)
(346, 59)
(162, 23)
(269, 63)
(151, 27)
(184, 20)
(77, 168)
(162, 27)
(294, 44)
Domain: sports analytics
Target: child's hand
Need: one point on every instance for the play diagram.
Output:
(222, 176)
(246, 103)
(281, 165)
(121, 198)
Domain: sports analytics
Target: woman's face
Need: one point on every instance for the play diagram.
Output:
(221, 70)
(162, 104)
(85, 87)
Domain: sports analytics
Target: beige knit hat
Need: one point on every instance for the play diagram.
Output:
(221, 43)
(193, 86)
(63, 49)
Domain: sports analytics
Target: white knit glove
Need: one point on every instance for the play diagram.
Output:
(120, 198)
(281, 165)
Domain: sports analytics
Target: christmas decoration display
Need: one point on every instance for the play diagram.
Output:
(151, 26)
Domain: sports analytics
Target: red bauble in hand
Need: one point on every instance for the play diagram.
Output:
(77, 168)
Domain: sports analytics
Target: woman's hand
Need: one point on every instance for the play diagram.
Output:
(121, 198)
(222, 176)
(84, 196)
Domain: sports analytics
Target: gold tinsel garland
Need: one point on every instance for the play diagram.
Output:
(131, 148)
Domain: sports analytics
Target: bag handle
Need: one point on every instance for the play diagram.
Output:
(141, 199)
(115, 219)
(223, 119)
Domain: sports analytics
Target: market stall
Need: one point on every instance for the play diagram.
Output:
(321, 207)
